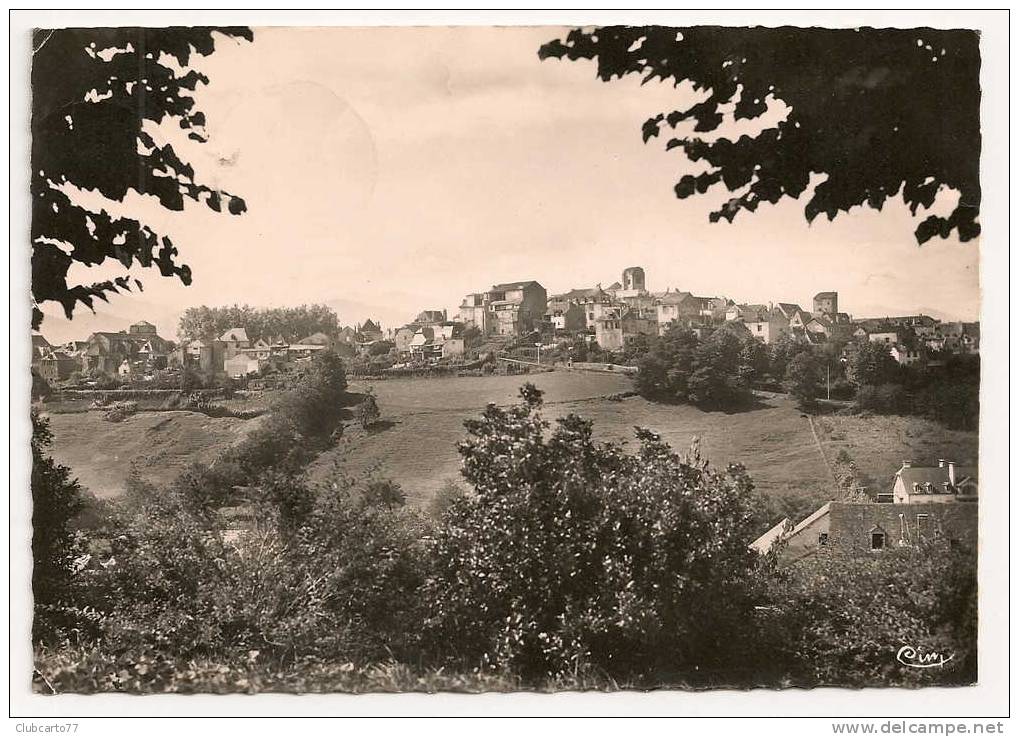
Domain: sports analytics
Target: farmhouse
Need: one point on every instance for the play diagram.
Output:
(924, 502)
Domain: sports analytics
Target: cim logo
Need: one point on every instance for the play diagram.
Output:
(918, 658)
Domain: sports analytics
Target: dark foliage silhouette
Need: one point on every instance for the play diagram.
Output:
(94, 94)
(877, 111)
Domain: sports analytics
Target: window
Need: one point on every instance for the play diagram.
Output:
(758, 327)
(877, 540)
(822, 538)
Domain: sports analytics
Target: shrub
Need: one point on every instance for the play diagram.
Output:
(883, 399)
(574, 555)
(384, 493)
(450, 493)
(118, 411)
(369, 412)
(314, 405)
(843, 617)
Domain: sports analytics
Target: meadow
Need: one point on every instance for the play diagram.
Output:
(422, 422)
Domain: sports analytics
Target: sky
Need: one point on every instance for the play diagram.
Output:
(391, 170)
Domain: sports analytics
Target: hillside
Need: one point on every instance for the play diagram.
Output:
(159, 444)
(423, 422)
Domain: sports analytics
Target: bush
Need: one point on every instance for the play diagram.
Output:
(883, 399)
(369, 412)
(314, 406)
(385, 493)
(118, 411)
(842, 616)
(573, 555)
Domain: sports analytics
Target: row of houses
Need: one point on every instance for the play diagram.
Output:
(139, 349)
(617, 314)
(430, 336)
(923, 502)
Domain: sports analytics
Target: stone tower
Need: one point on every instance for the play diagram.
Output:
(633, 279)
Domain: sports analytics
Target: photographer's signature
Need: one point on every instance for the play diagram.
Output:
(919, 658)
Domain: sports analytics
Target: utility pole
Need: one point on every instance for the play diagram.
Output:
(539, 351)
(828, 365)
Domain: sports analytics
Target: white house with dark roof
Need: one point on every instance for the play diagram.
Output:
(948, 481)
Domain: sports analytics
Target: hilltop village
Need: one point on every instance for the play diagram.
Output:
(514, 319)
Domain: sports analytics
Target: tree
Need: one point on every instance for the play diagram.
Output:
(867, 109)
(665, 370)
(781, 352)
(56, 500)
(381, 348)
(473, 337)
(573, 554)
(96, 94)
(290, 323)
(803, 379)
(870, 364)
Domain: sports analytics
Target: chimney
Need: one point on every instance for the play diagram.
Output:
(941, 462)
(951, 472)
(907, 464)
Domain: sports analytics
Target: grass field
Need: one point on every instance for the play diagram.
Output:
(423, 422)
(159, 444)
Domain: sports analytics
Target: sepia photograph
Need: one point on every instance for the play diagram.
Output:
(502, 358)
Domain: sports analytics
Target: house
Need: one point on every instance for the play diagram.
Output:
(789, 310)
(143, 328)
(424, 346)
(326, 341)
(207, 355)
(826, 303)
(431, 342)
(40, 347)
(962, 337)
(299, 351)
(594, 302)
(57, 366)
(906, 356)
(888, 336)
(768, 326)
(819, 326)
(924, 501)
(402, 338)
(369, 332)
(948, 481)
(233, 340)
(107, 350)
(570, 318)
(680, 306)
(746, 312)
(512, 308)
(263, 349)
(872, 527)
(243, 364)
(615, 329)
(430, 317)
(799, 320)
